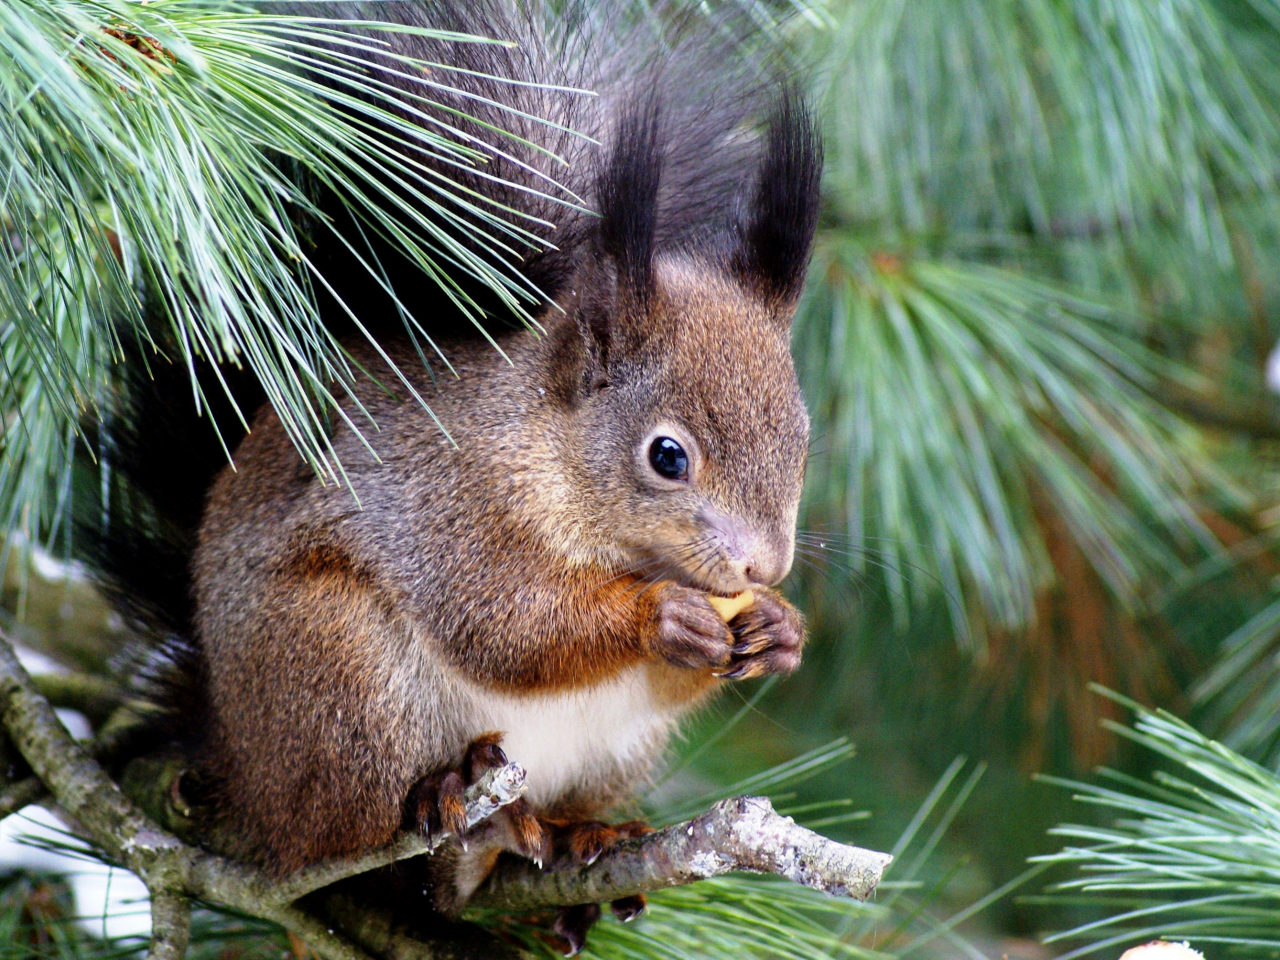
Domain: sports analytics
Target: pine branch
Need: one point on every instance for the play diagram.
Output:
(1190, 852)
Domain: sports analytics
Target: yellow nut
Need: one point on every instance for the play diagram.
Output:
(730, 607)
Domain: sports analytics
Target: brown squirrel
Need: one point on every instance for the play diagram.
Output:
(534, 584)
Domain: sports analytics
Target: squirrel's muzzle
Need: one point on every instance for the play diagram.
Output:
(748, 557)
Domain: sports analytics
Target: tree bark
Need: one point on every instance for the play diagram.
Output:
(739, 835)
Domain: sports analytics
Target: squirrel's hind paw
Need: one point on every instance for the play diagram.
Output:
(437, 802)
(573, 923)
(627, 909)
(585, 841)
(571, 926)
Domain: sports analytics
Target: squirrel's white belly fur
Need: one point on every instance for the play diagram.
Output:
(579, 737)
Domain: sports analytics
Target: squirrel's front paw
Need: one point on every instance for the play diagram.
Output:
(767, 637)
(687, 631)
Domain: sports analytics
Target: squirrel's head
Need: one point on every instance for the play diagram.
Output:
(687, 413)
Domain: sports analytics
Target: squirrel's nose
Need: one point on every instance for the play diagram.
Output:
(758, 557)
(762, 572)
(768, 565)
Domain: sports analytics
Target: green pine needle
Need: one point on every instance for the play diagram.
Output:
(1193, 854)
(1024, 401)
(163, 146)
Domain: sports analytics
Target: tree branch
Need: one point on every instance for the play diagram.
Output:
(81, 787)
(97, 805)
(19, 794)
(386, 934)
(95, 697)
(742, 834)
(484, 798)
(170, 926)
(316, 933)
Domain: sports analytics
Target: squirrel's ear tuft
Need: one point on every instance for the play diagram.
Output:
(613, 315)
(627, 196)
(775, 237)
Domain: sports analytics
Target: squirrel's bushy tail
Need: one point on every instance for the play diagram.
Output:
(544, 110)
(547, 112)
(154, 457)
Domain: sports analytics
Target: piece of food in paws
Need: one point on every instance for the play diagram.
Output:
(730, 607)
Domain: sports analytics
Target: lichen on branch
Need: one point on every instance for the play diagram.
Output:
(742, 834)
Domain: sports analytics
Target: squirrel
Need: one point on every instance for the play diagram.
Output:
(535, 583)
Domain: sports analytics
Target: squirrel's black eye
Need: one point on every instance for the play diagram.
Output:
(669, 459)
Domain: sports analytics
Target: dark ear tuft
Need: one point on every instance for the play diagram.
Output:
(775, 237)
(627, 195)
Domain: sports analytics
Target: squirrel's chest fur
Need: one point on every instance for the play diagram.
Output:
(590, 739)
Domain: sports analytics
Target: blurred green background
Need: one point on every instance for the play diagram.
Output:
(1036, 344)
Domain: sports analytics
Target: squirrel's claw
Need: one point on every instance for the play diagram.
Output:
(586, 840)
(451, 805)
(627, 909)
(571, 926)
(767, 639)
(437, 803)
(529, 838)
(483, 754)
(526, 836)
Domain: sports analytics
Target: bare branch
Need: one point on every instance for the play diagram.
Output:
(384, 932)
(484, 798)
(80, 786)
(317, 934)
(101, 813)
(96, 697)
(743, 834)
(170, 926)
(64, 617)
(19, 794)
